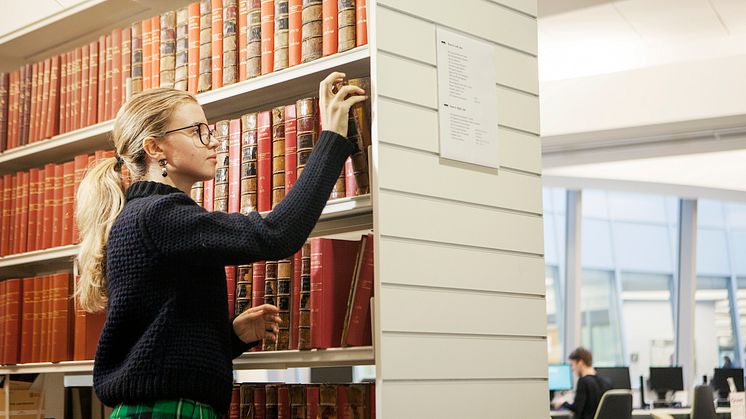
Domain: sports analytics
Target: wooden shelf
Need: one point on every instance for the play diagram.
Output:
(339, 216)
(75, 26)
(250, 360)
(261, 93)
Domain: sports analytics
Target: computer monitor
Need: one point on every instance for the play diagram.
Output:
(560, 377)
(720, 380)
(619, 377)
(663, 380)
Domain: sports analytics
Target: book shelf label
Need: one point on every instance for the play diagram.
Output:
(467, 99)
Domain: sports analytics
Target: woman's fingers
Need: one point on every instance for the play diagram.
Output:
(347, 90)
(347, 104)
(325, 87)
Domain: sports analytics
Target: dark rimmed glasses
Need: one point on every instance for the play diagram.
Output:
(201, 129)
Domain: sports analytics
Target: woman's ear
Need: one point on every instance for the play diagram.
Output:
(153, 148)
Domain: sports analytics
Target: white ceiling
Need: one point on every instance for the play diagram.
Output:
(587, 37)
(17, 14)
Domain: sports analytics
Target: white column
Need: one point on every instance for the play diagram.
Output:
(573, 270)
(687, 286)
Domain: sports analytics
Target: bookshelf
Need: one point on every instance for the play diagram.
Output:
(459, 312)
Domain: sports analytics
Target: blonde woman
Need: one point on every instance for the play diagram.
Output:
(154, 259)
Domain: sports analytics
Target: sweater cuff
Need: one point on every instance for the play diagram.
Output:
(330, 142)
(238, 346)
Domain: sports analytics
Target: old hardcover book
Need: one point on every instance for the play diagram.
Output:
(306, 130)
(27, 106)
(116, 73)
(74, 122)
(5, 205)
(68, 202)
(217, 43)
(39, 221)
(33, 210)
(283, 402)
(242, 38)
(311, 30)
(155, 59)
(13, 305)
(53, 105)
(234, 166)
(297, 401)
(84, 80)
(34, 104)
(66, 86)
(259, 401)
(209, 194)
(329, 27)
(27, 319)
(22, 212)
(59, 317)
(291, 144)
(248, 163)
(278, 155)
(268, 35)
(222, 128)
(126, 64)
(244, 281)
(270, 296)
(357, 328)
(193, 51)
(281, 35)
(197, 193)
(328, 401)
(312, 401)
(264, 161)
(295, 300)
(233, 411)
(230, 42)
(4, 108)
(270, 407)
(108, 62)
(359, 133)
(48, 211)
(15, 188)
(101, 100)
(361, 21)
(284, 285)
(295, 23)
(147, 53)
(168, 49)
(304, 309)
(259, 271)
(346, 23)
(81, 166)
(204, 82)
(181, 72)
(230, 286)
(254, 40)
(137, 57)
(44, 101)
(57, 205)
(12, 109)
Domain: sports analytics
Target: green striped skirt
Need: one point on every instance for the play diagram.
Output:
(165, 409)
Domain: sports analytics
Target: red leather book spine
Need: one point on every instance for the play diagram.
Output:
(361, 22)
(243, 55)
(7, 215)
(147, 53)
(217, 43)
(108, 77)
(230, 283)
(48, 211)
(22, 212)
(257, 289)
(295, 301)
(264, 161)
(268, 35)
(126, 72)
(291, 147)
(312, 401)
(27, 319)
(80, 166)
(234, 166)
(34, 104)
(329, 27)
(193, 52)
(33, 209)
(93, 83)
(13, 295)
(76, 96)
(57, 205)
(295, 23)
(68, 202)
(359, 329)
(79, 343)
(39, 221)
(155, 58)
(63, 94)
(85, 77)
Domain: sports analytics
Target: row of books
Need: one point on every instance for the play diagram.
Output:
(323, 293)
(38, 322)
(260, 156)
(303, 401)
(205, 46)
(37, 207)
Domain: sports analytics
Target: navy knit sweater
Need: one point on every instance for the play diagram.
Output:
(167, 333)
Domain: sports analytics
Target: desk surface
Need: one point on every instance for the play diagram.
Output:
(723, 412)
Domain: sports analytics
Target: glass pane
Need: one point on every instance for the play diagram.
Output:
(554, 335)
(712, 325)
(554, 249)
(599, 320)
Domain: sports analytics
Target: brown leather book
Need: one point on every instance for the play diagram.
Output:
(137, 57)
(284, 284)
(108, 78)
(84, 80)
(126, 68)
(58, 314)
(306, 130)
(248, 163)
(197, 193)
(116, 73)
(268, 36)
(39, 221)
(230, 42)
(242, 39)
(264, 161)
(304, 319)
(204, 82)
(259, 271)
(22, 212)
(311, 30)
(81, 166)
(101, 101)
(361, 22)
(53, 109)
(48, 225)
(217, 43)
(13, 304)
(181, 74)
(281, 34)
(44, 101)
(278, 155)
(57, 220)
(295, 22)
(222, 129)
(346, 23)
(297, 401)
(328, 401)
(244, 281)
(27, 319)
(155, 59)
(295, 300)
(147, 53)
(168, 49)
(270, 296)
(34, 104)
(33, 210)
(68, 202)
(359, 133)
(254, 40)
(26, 127)
(4, 107)
(7, 208)
(270, 401)
(193, 48)
(283, 401)
(357, 330)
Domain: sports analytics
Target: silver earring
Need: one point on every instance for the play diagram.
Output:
(163, 163)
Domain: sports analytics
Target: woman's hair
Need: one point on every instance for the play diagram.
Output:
(582, 354)
(101, 196)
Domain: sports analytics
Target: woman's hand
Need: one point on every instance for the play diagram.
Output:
(258, 323)
(335, 107)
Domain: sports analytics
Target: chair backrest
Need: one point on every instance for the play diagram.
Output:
(615, 404)
(702, 404)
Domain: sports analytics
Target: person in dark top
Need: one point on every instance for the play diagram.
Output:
(590, 386)
(727, 363)
(154, 259)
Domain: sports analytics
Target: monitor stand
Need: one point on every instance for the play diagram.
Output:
(664, 401)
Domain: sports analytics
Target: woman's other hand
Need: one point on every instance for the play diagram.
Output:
(258, 323)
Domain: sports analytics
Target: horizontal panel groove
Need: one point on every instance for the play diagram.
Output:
(465, 246)
(456, 335)
(512, 9)
(533, 134)
(521, 295)
(521, 91)
(432, 153)
(463, 203)
(424, 19)
(539, 380)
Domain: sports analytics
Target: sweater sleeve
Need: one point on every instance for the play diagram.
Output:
(581, 394)
(238, 346)
(181, 230)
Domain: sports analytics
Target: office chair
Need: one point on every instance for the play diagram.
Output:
(702, 405)
(615, 404)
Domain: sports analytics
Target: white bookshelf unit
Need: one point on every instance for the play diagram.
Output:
(459, 307)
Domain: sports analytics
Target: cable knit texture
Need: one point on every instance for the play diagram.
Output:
(167, 333)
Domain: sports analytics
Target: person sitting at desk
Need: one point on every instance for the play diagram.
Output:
(590, 387)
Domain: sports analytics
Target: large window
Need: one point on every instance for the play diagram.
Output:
(712, 325)
(599, 317)
(554, 255)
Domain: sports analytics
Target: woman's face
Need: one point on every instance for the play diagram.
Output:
(189, 160)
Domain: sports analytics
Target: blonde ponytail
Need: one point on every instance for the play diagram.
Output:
(101, 195)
